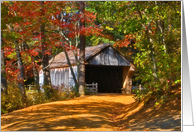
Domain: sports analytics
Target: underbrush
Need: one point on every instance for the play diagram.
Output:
(13, 100)
(139, 95)
(159, 98)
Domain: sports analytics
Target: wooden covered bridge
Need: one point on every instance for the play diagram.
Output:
(104, 65)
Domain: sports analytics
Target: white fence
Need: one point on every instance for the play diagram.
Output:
(92, 88)
(30, 86)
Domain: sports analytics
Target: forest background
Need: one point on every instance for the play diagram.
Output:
(32, 33)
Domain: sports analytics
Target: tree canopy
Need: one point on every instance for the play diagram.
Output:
(148, 32)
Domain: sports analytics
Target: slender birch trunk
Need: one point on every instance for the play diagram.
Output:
(21, 74)
(67, 57)
(3, 74)
(35, 70)
(147, 30)
(77, 63)
(70, 66)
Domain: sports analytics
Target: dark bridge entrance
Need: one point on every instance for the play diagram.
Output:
(109, 78)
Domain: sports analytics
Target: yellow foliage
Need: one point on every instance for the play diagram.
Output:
(107, 27)
(13, 100)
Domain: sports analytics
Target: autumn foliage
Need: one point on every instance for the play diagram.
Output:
(148, 32)
(22, 24)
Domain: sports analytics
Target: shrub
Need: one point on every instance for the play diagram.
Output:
(12, 101)
(139, 95)
(54, 93)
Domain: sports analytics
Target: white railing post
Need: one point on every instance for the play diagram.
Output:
(92, 87)
(140, 88)
(30, 87)
(96, 88)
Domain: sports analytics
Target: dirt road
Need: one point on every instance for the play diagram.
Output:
(103, 112)
(90, 113)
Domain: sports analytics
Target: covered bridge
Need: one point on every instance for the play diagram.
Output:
(103, 65)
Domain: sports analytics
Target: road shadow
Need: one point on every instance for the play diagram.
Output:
(77, 114)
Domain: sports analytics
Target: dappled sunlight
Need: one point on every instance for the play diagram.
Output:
(151, 118)
(103, 112)
(89, 112)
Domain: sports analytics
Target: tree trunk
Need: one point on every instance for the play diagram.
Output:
(36, 78)
(82, 53)
(154, 63)
(35, 70)
(77, 63)
(3, 74)
(45, 61)
(70, 66)
(68, 61)
(150, 41)
(152, 55)
(76, 59)
(160, 27)
(21, 72)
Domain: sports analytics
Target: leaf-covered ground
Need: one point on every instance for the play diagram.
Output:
(103, 112)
